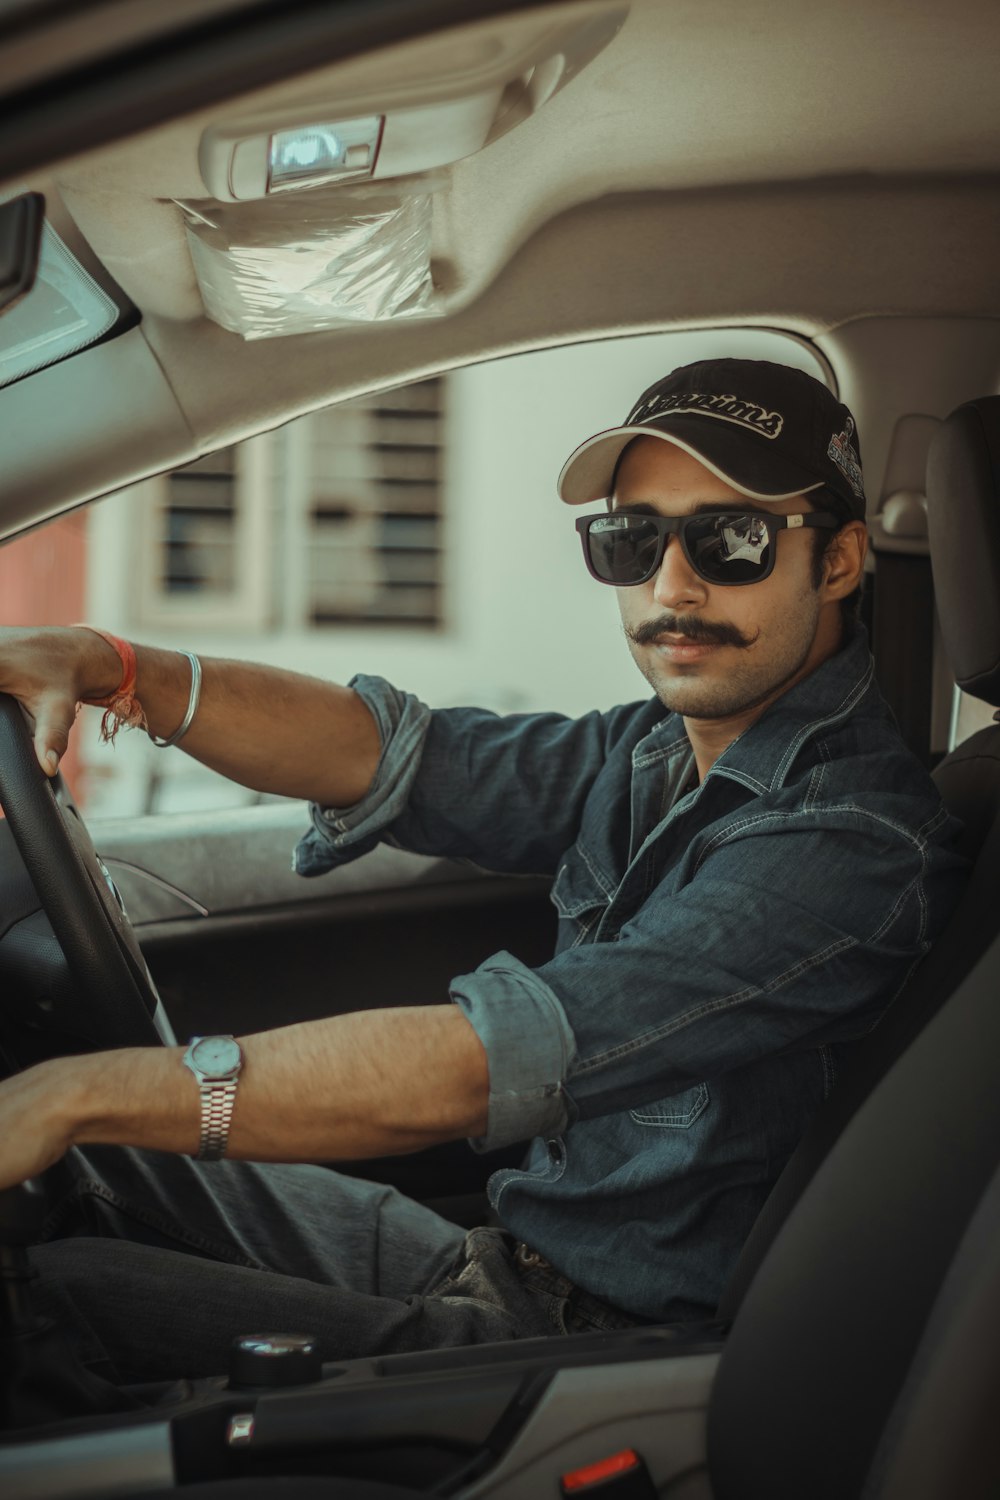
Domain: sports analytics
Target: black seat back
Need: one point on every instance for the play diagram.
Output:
(963, 483)
(941, 1437)
(963, 503)
(830, 1328)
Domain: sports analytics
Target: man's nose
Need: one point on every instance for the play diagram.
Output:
(676, 583)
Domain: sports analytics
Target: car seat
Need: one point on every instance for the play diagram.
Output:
(963, 503)
(824, 1386)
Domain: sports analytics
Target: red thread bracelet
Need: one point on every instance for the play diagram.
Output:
(121, 706)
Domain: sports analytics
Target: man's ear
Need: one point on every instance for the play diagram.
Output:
(844, 560)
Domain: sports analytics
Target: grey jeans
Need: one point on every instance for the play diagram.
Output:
(155, 1263)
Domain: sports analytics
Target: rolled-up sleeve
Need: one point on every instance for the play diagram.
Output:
(443, 777)
(529, 1044)
(338, 835)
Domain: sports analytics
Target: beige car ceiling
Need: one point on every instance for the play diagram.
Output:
(783, 163)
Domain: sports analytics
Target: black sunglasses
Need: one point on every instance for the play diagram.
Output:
(722, 546)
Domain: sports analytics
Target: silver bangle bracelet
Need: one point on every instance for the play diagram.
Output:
(192, 707)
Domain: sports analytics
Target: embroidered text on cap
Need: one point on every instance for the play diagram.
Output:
(729, 408)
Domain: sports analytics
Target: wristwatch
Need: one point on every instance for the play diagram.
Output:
(216, 1062)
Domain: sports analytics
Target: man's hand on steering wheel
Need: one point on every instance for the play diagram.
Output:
(49, 670)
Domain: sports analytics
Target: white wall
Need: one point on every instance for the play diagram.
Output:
(526, 627)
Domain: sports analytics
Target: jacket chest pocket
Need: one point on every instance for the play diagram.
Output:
(679, 1112)
(580, 892)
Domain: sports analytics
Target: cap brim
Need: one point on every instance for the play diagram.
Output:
(588, 473)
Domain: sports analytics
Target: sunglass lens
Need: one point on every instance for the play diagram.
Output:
(622, 549)
(730, 548)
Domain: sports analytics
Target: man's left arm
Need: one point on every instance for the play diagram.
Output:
(369, 1083)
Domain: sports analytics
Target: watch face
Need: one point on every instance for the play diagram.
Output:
(216, 1056)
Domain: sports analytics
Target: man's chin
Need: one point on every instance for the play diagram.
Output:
(688, 693)
(697, 699)
(695, 705)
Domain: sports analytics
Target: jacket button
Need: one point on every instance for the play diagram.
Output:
(555, 1150)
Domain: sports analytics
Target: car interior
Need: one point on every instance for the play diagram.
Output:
(568, 172)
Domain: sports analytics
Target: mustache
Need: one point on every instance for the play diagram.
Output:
(699, 632)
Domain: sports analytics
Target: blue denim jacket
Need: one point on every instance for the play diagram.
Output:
(720, 947)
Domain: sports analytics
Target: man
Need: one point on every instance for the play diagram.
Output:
(746, 868)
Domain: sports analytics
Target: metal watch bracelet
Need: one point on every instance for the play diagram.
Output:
(217, 1101)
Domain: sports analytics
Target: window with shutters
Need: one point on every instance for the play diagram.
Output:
(337, 518)
(373, 509)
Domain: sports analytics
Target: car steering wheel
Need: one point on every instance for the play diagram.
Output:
(78, 896)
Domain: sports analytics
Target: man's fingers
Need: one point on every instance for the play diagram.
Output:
(47, 668)
(53, 721)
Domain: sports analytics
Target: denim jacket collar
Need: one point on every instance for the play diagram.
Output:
(763, 755)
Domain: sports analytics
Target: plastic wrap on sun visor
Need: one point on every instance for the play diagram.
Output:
(310, 261)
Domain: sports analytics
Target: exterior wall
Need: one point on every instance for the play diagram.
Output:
(43, 582)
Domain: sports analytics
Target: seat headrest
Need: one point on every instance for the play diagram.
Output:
(963, 522)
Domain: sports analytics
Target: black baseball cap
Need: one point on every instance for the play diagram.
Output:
(768, 430)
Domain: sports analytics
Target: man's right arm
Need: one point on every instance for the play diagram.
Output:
(271, 730)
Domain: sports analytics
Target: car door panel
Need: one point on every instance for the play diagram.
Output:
(236, 939)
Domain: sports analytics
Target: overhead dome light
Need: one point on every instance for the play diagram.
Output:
(239, 163)
(314, 154)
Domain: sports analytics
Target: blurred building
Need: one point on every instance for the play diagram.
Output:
(43, 581)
